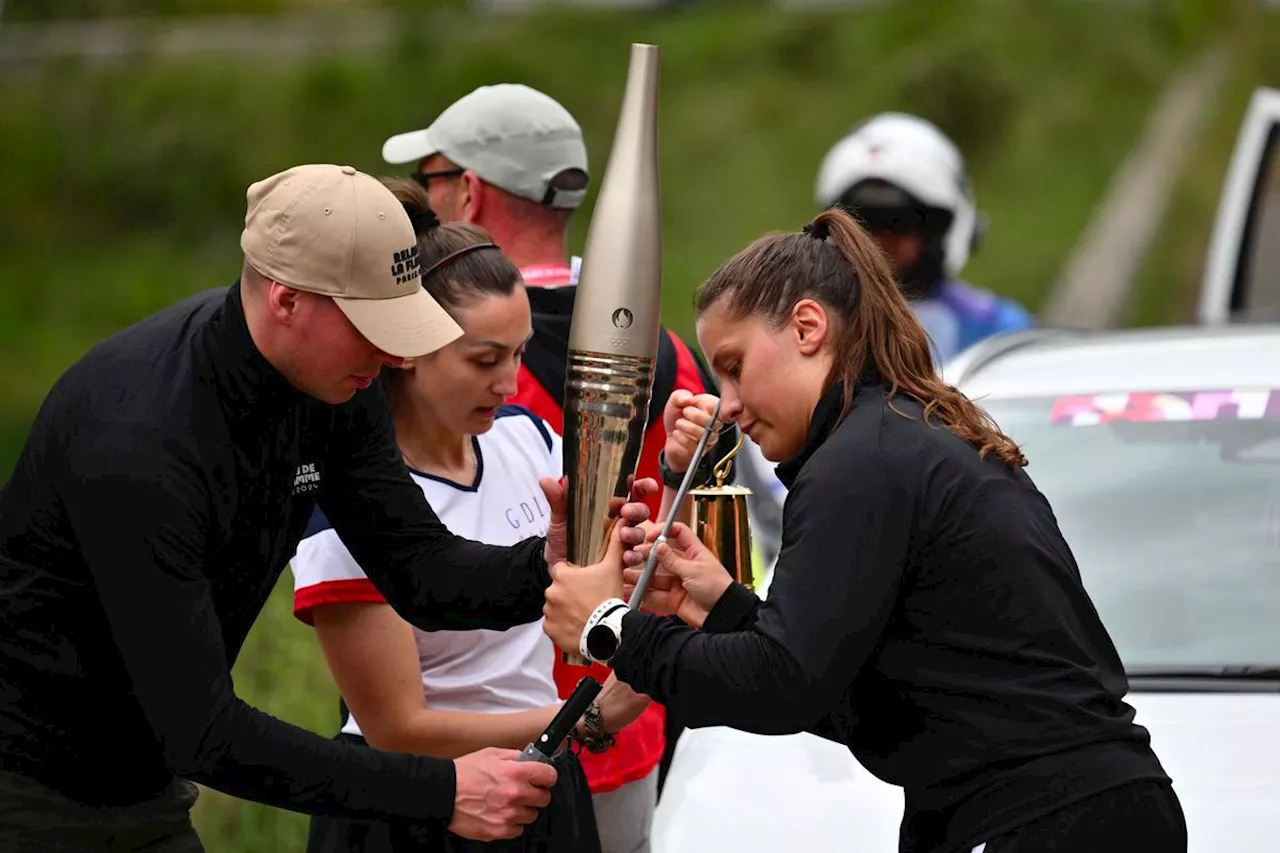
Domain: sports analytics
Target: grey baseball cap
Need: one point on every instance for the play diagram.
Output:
(511, 136)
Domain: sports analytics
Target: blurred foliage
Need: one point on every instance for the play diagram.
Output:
(49, 10)
(122, 187)
(1167, 286)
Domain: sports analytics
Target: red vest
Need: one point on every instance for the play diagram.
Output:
(639, 746)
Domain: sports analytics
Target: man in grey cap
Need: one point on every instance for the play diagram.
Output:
(512, 160)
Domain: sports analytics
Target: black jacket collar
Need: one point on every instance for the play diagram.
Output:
(823, 421)
(248, 385)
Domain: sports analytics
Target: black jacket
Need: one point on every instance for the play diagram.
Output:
(926, 612)
(165, 484)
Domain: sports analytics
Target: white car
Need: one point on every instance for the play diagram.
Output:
(1159, 450)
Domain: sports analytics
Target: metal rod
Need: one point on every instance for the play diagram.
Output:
(642, 585)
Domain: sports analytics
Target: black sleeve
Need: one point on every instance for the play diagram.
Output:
(433, 579)
(734, 611)
(142, 519)
(828, 729)
(834, 586)
(839, 722)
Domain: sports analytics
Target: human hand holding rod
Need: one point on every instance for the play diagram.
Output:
(637, 594)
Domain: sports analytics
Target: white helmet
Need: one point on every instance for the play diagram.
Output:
(914, 155)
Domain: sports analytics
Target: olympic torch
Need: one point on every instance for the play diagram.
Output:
(613, 337)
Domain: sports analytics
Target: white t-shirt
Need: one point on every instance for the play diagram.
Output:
(482, 671)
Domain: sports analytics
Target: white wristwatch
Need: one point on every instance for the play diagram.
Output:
(602, 635)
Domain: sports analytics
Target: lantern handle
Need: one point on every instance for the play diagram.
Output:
(722, 468)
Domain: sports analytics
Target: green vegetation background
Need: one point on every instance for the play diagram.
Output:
(122, 186)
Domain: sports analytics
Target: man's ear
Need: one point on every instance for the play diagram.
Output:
(283, 302)
(471, 198)
(809, 326)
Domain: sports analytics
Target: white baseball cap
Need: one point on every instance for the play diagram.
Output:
(511, 136)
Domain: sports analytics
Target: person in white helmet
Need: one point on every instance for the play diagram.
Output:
(906, 182)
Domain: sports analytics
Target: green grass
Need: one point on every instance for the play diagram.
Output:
(282, 671)
(122, 187)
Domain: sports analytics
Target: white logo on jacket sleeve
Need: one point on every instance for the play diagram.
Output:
(306, 479)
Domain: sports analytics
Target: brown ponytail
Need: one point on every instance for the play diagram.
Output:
(837, 263)
(459, 260)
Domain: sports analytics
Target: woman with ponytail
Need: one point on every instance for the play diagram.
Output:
(925, 610)
(479, 462)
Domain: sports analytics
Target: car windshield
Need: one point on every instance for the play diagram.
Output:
(1171, 505)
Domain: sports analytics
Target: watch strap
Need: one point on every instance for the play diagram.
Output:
(593, 735)
(612, 623)
(670, 479)
(604, 609)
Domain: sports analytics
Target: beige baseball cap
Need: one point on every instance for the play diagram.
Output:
(339, 232)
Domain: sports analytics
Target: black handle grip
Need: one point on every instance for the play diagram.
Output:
(562, 723)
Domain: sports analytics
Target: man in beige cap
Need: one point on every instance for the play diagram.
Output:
(165, 482)
(339, 233)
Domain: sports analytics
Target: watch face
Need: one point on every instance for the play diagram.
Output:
(601, 642)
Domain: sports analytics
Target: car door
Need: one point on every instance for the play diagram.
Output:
(1241, 280)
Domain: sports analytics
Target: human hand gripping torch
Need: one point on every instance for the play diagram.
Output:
(588, 688)
(613, 337)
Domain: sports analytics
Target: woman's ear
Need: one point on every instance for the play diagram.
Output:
(809, 326)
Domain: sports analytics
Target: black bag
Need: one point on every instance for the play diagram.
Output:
(566, 825)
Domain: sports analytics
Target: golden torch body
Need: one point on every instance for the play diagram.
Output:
(613, 337)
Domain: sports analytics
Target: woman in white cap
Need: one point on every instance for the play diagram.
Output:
(479, 462)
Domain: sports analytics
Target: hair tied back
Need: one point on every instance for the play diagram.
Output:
(818, 230)
(424, 220)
